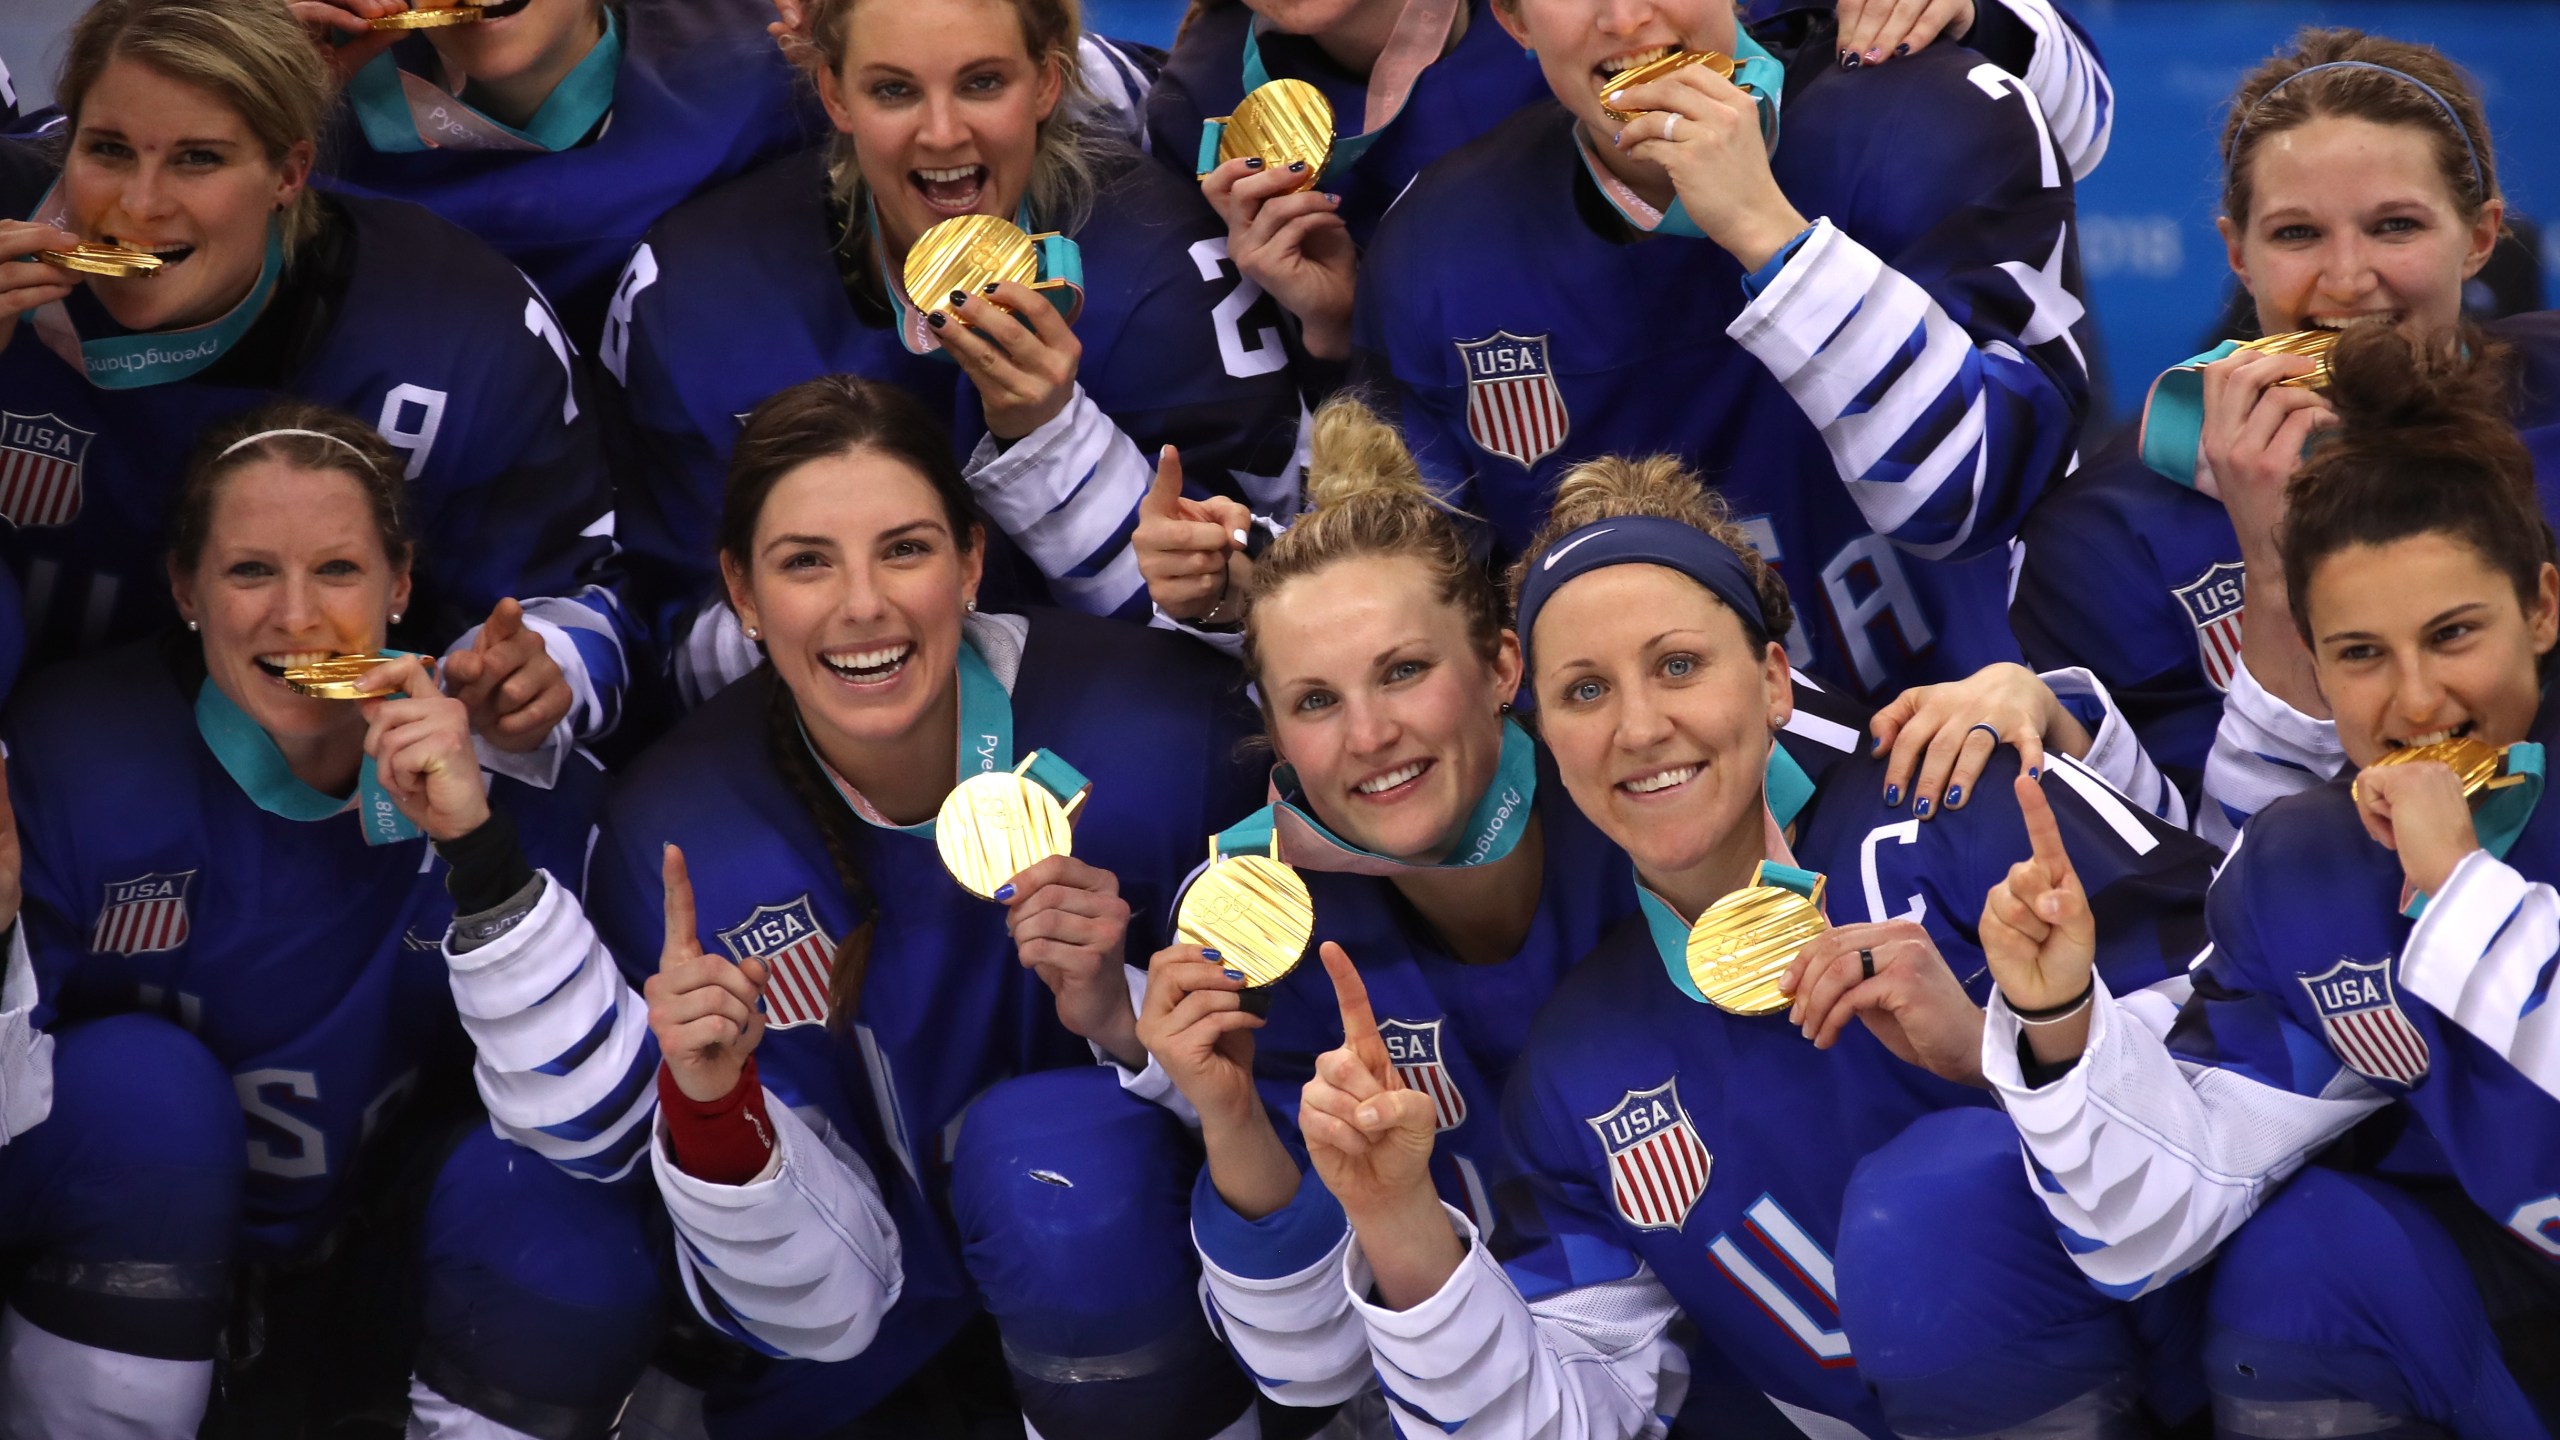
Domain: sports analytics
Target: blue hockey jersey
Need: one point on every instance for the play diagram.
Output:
(2138, 577)
(946, 1008)
(309, 962)
(392, 316)
(701, 94)
(752, 288)
(1459, 97)
(1886, 400)
(1714, 1149)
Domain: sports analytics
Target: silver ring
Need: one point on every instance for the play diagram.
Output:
(1867, 962)
(1670, 122)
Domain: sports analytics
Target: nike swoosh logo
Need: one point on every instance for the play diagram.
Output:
(1558, 553)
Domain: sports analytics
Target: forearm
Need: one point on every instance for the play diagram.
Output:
(1409, 1246)
(1253, 1172)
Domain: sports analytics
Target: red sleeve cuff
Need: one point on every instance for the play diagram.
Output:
(725, 1141)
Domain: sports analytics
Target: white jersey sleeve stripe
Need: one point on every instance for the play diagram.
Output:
(2483, 955)
(1068, 494)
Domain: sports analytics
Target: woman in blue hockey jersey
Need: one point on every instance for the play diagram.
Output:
(2380, 943)
(559, 130)
(877, 1000)
(948, 108)
(1650, 625)
(191, 131)
(1574, 284)
(202, 845)
(1411, 80)
(2360, 186)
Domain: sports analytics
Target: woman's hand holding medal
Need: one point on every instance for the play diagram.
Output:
(702, 1009)
(1892, 977)
(1069, 927)
(1195, 1025)
(1017, 349)
(1370, 1140)
(25, 282)
(2039, 936)
(343, 30)
(2419, 811)
(2254, 432)
(514, 689)
(1285, 236)
(1192, 551)
(1704, 131)
(419, 740)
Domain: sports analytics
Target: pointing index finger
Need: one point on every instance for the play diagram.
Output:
(680, 942)
(1359, 1023)
(2044, 833)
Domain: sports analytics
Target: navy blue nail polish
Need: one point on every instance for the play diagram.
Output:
(1208, 954)
(1892, 795)
(1849, 60)
(2035, 772)
(1955, 794)
(1004, 892)
(989, 288)
(959, 297)
(1233, 973)
(934, 318)
(1920, 807)
(1297, 167)
(1253, 162)
(1902, 49)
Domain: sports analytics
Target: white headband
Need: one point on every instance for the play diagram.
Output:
(248, 440)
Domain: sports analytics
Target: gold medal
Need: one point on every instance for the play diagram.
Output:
(1743, 944)
(967, 253)
(2477, 764)
(1636, 75)
(2315, 344)
(1286, 122)
(429, 19)
(335, 678)
(1253, 910)
(996, 825)
(112, 260)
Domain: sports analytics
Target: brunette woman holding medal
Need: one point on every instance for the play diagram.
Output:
(218, 280)
(1632, 270)
(1407, 81)
(557, 130)
(226, 889)
(880, 1120)
(2360, 187)
(1060, 396)
(1651, 625)
(2381, 944)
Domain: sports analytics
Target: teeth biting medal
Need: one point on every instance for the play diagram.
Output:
(117, 261)
(1651, 70)
(335, 678)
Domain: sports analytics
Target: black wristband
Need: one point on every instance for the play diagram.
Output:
(488, 865)
(2051, 1013)
(2035, 1072)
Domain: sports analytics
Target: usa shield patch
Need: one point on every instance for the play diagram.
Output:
(2214, 602)
(1657, 1164)
(798, 955)
(40, 463)
(2361, 1016)
(144, 915)
(1415, 1051)
(1513, 406)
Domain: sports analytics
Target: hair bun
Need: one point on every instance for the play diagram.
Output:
(2379, 380)
(1354, 452)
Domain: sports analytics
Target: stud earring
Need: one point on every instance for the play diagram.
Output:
(754, 634)
(395, 617)
(970, 605)
(193, 626)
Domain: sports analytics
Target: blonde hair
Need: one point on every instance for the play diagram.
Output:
(251, 54)
(1614, 486)
(1065, 160)
(1368, 498)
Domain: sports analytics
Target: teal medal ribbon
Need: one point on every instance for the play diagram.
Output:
(1347, 149)
(2173, 417)
(1493, 828)
(254, 763)
(1671, 933)
(986, 745)
(403, 113)
(1756, 71)
(2502, 814)
(1059, 259)
(157, 357)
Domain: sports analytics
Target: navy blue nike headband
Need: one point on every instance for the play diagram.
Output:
(1642, 540)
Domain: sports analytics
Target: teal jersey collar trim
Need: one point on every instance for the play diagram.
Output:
(250, 757)
(403, 113)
